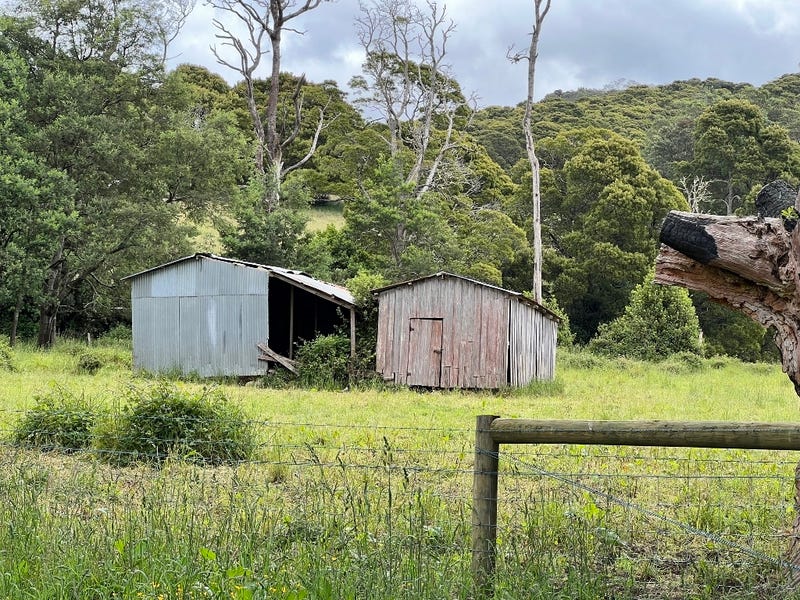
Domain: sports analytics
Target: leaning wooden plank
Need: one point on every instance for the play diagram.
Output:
(275, 357)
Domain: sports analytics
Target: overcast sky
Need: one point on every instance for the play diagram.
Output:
(584, 43)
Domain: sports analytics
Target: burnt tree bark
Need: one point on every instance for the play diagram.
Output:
(750, 264)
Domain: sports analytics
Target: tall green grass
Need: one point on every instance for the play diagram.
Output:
(367, 494)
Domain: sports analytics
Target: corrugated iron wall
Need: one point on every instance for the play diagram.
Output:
(200, 316)
(474, 334)
(532, 344)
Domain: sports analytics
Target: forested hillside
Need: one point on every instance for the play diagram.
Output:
(110, 165)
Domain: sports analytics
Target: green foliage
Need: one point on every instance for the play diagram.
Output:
(7, 362)
(60, 420)
(730, 333)
(263, 236)
(80, 128)
(566, 339)
(89, 362)
(73, 220)
(324, 362)
(684, 362)
(119, 334)
(404, 236)
(602, 209)
(736, 149)
(362, 284)
(659, 321)
(162, 421)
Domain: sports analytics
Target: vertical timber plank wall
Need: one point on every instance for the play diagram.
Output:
(474, 331)
(532, 344)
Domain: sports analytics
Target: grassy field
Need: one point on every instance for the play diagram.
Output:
(367, 494)
(322, 215)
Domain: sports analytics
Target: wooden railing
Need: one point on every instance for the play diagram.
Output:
(491, 431)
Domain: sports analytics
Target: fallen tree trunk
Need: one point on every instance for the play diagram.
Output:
(751, 265)
(748, 264)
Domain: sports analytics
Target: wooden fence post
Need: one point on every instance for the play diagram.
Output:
(484, 507)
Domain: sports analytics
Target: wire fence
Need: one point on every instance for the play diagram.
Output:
(326, 510)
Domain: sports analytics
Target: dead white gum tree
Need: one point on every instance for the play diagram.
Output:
(540, 9)
(752, 265)
(251, 22)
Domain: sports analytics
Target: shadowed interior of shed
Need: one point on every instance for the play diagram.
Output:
(297, 316)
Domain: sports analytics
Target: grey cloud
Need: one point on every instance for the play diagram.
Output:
(584, 43)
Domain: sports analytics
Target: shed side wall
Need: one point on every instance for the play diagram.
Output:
(200, 316)
(532, 344)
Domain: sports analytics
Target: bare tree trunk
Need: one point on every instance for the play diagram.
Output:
(749, 264)
(265, 18)
(541, 8)
(15, 320)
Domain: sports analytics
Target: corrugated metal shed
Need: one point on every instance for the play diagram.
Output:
(447, 331)
(206, 314)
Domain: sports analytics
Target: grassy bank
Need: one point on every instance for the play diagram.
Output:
(367, 494)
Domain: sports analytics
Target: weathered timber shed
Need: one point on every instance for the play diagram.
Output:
(215, 316)
(447, 331)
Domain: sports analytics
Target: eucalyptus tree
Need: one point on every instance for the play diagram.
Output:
(265, 22)
(540, 10)
(407, 83)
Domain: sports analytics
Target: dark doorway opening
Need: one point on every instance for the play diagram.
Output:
(297, 316)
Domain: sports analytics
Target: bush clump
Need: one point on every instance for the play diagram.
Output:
(659, 322)
(162, 421)
(119, 334)
(324, 362)
(89, 362)
(7, 362)
(59, 421)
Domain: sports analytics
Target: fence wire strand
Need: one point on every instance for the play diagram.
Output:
(570, 481)
(399, 489)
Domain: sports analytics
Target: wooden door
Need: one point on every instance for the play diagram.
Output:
(424, 352)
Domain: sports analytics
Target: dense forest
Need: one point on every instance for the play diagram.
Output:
(110, 165)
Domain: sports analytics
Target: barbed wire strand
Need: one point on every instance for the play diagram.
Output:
(752, 552)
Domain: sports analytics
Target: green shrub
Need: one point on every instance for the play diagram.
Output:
(324, 362)
(278, 379)
(89, 362)
(7, 362)
(659, 321)
(580, 359)
(118, 334)
(162, 420)
(684, 362)
(60, 420)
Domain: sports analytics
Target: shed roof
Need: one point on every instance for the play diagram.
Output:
(443, 275)
(330, 291)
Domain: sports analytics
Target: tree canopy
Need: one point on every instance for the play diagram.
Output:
(109, 165)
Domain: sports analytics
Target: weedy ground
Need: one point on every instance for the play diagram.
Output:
(367, 493)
